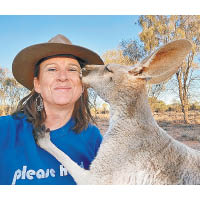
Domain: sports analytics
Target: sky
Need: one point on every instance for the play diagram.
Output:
(99, 26)
(99, 33)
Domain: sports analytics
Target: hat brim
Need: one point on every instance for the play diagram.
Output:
(25, 61)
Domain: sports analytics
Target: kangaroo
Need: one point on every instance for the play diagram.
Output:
(135, 150)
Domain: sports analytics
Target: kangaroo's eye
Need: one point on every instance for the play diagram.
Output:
(107, 69)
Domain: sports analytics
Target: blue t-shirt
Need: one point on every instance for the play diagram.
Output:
(23, 162)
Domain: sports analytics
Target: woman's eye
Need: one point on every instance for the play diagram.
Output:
(51, 69)
(73, 70)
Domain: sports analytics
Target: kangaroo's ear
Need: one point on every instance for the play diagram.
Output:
(163, 63)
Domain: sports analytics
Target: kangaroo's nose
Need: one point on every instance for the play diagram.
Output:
(85, 71)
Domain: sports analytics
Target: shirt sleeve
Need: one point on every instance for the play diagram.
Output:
(4, 130)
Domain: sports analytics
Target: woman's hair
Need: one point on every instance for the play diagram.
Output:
(81, 113)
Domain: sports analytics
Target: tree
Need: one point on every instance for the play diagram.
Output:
(157, 105)
(155, 91)
(3, 73)
(105, 108)
(159, 30)
(133, 49)
(93, 100)
(116, 56)
(13, 93)
(10, 92)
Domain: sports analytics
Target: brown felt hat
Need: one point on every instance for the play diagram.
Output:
(26, 60)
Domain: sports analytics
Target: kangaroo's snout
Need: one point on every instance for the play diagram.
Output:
(85, 71)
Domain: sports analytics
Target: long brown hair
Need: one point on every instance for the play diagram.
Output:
(81, 113)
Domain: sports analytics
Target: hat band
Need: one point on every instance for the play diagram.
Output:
(60, 55)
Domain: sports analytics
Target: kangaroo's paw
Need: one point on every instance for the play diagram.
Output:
(42, 137)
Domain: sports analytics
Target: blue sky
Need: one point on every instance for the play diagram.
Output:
(97, 32)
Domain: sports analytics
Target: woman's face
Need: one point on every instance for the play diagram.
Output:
(59, 81)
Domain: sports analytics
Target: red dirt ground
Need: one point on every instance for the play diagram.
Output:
(171, 122)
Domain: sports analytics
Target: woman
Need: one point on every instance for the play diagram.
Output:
(58, 101)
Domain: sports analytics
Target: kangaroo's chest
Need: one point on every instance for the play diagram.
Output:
(125, 165)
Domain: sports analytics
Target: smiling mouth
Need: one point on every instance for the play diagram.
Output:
(63, 88)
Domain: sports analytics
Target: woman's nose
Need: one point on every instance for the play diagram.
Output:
(63, 75)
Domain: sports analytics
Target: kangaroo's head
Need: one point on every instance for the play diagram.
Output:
(118, 83)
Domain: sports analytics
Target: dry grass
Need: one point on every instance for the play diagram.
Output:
(177, 117)
(173, 123)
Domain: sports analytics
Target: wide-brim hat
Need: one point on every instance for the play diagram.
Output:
(25, 61)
